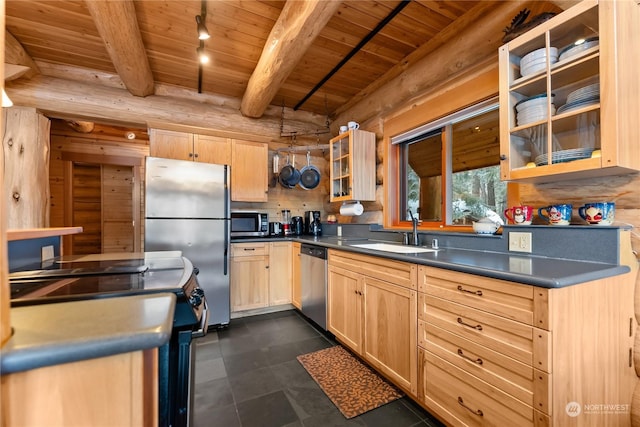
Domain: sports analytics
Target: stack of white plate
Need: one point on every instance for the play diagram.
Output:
(564, 156)
(533, 109)
(537, 60)
(577, 47)
(582, 97)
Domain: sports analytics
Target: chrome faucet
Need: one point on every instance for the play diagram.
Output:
(414, 221)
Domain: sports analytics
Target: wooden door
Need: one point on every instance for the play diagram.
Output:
(170, 144)
(345, 307)
(390, 330)
(212, 149)
(118, 231)
(279, 273)
(86, 208)
(249, 171)
(249, 287)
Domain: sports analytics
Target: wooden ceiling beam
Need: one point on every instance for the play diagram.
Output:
(297, 27)
(15, 54)
(117, 24)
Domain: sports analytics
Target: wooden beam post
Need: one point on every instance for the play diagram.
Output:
(117, 24)
(15, 54)
(299, 24)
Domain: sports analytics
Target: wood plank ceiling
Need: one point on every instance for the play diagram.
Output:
(63, 33)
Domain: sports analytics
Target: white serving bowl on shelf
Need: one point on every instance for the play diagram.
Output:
(537, 60)
(485, 227)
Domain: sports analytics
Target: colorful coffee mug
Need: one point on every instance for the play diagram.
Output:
(520, 215)
(601, 213)
(556, 214)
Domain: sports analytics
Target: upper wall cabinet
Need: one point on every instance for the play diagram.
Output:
(569, 95)
(248, 160)
(353, 166)
(249, 171)
(189, 146)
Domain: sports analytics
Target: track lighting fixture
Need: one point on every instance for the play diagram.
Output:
(203, 58)
(203, 33)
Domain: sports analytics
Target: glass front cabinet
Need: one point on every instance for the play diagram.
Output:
(353, 166)
(570, 95)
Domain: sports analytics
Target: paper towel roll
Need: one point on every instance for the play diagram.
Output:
(351, 209)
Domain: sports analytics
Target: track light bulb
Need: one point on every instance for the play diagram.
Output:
(202, 55)
(203, 33)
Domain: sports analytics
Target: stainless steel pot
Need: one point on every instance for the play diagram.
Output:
(289, 175)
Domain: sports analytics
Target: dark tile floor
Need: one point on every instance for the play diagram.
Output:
(248, 376)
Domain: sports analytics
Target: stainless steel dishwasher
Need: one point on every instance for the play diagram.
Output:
(313, 276)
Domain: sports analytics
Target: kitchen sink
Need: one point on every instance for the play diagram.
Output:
(388, 247)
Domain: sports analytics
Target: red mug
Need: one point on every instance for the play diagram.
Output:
(519, 215)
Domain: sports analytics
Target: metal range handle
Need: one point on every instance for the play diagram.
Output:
(204, 322)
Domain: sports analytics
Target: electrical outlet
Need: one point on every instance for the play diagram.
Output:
(519, 242)
(47, 252)
(339, 231)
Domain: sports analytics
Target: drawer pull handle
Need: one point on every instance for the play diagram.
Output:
(461, 354)
(249, 249)
(476, 327)
(478, 292)
(475, 412)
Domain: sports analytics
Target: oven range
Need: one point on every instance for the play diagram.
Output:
(81, 277)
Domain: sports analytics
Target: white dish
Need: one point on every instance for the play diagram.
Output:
(574, 49)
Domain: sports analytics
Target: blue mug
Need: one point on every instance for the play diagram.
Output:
(601, 213)
(556, 214)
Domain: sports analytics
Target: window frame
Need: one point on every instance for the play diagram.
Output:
(454, 96)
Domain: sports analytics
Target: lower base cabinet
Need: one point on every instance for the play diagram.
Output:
(375, 318)
(296, 283)
(260, 275)
(119, 390)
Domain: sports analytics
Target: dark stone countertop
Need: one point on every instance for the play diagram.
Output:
(52, 334)
(547, 272)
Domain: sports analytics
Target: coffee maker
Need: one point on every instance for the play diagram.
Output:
(312, 224)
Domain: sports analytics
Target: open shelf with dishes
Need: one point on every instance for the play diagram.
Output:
(552, 114)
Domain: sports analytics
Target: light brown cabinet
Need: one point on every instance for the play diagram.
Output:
(353, 166)
(574, 116)
(119, 390)
(249, 274)
(493, 352)
(260, 275)
(373, 310)
(279, 273)
(249, 171)
(189, 146)
(248, 159)
(296, 284)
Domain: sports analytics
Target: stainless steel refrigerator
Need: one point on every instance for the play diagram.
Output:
(187, 209)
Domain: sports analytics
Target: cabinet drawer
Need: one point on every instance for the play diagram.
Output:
(473, 401)
(249, 249)
(512, 300)
(513, 339)
(515, 378)
(397, 272)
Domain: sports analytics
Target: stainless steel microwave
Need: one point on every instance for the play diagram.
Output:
(249, 224)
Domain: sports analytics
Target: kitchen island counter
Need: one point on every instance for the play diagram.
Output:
(53, 334)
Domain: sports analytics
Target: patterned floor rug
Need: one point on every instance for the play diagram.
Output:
(353, 387)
